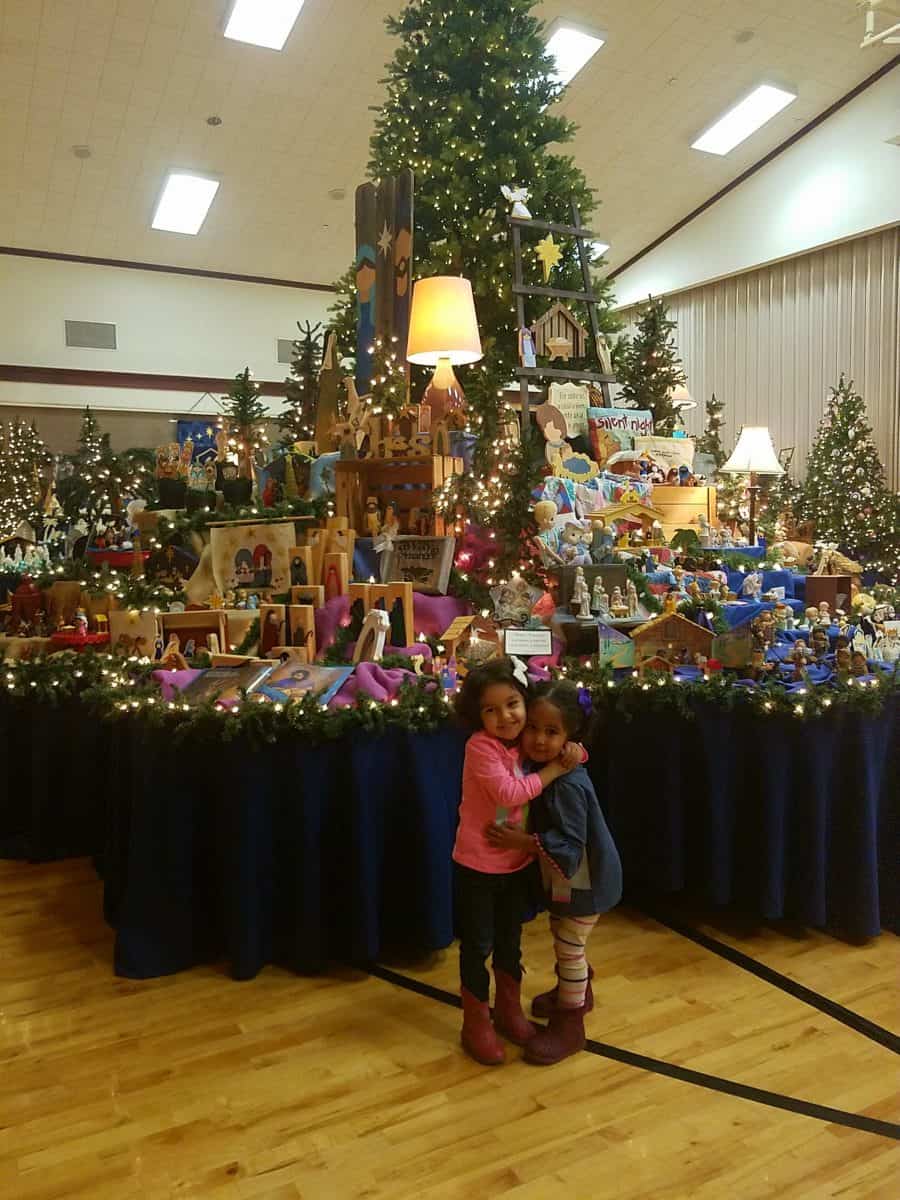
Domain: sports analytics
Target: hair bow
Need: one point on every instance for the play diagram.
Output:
(520, 671)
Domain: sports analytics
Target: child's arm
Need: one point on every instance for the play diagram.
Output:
(503, 788)
(562, 845)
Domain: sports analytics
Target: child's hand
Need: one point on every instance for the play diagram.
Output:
(508, 837)
(572, 756)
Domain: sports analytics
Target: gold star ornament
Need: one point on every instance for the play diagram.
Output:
(548, 254)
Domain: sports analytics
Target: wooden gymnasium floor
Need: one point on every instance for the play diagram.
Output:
(352, 1086)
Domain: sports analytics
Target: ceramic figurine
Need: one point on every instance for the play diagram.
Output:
(842, 662)
(173, 659)
(781, 616)
(602, 542)
(390, 526)
(600, 598)
(751, 588)
(858, 664)
(820, 644)
(526, 348)
(824, 614)
(581, 597)
(631, 598)
(190, 648)
(890, 645)
(670, 604)
(572, 549)
(617, 605)
(545, 513)
(517, 197)
(253, 602)
(706, 533)
(81, 623)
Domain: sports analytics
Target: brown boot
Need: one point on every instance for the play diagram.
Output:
(562, 1037)
(543, 1005)
(478, 1037)
(508, 1016)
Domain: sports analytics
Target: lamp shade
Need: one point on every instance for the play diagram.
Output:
(681, 398)
(442, 323)
(754, 454)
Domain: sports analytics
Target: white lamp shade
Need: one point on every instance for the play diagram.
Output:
(754, 453)
(442, 323)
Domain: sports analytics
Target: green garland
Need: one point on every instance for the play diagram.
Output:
(116, 689)
(197, 522)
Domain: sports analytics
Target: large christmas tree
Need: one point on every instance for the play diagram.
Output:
(648, 366)
(298, 417)
(470, 107)
(845, 492)
(23, 459)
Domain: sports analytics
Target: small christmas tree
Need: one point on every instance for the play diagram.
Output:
(710, 441)
(648, 366)
(298, 418)
(23, 458)
(243, 414)
(845, 492)
(100, 482)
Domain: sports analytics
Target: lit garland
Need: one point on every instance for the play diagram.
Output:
(389, 391)
(121, 689)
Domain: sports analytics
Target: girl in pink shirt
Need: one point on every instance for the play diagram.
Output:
(492, 888)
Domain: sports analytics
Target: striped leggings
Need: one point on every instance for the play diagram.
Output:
(570, 935)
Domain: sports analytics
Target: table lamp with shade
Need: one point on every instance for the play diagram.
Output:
(443, 333)
(753, 455)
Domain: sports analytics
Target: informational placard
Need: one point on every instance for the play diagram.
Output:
(667, 452)
(527, 642)
(572, 400)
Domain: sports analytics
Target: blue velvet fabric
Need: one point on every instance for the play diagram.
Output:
(300, 855)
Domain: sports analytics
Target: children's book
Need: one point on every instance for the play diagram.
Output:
(224, 684)
(292, 680)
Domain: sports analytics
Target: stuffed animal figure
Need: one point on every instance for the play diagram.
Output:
(572, 548)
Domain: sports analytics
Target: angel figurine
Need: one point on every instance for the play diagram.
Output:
(517, 197)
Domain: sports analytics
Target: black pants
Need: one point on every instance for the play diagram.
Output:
(489, 914)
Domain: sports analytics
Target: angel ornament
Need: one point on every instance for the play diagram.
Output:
(517, 197)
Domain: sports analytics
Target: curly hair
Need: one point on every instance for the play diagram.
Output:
(566, 698)
(468, 698)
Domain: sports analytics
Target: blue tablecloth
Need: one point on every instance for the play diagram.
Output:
(300, 855)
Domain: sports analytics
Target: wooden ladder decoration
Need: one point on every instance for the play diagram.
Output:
(520, 290)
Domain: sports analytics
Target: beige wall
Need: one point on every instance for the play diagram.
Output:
(770, 342)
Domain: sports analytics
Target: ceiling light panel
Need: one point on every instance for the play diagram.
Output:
(763, 103)
(184, 203)
(571, 49)
(263, 22)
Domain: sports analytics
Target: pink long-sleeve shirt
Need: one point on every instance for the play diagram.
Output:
(494, 788)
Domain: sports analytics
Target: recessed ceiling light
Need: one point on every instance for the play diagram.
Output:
(184, 203)
(598, 249)
(263, 22)
(571, 48)
(745, 118)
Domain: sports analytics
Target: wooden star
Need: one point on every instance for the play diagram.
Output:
(384, 242)
(549, 254)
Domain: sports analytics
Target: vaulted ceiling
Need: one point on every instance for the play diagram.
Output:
(134, 81)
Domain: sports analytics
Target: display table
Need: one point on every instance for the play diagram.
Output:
(297, 855)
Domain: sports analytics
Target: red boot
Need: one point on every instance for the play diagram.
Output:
(562, 1037)
(543, 1005)
(508, 1016)
(478, 1037)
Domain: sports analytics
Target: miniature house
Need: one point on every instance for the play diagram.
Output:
(629, 515)
(460, 635)
(671, 637)
(557, 326)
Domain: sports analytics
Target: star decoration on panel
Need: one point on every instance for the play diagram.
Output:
(384, 242)
(548, 254)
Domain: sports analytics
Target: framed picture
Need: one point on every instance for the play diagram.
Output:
(225, 684)
(292, 680)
